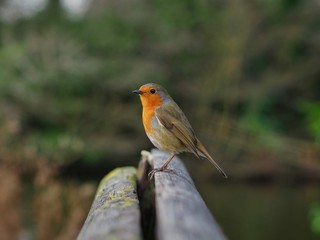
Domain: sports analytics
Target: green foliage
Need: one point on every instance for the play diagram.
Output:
(257, 117)
(259, 120)
(109, 34)
(312, 113)
(315, 218)
(65, 84)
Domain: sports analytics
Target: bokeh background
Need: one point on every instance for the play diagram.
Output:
(246, 73)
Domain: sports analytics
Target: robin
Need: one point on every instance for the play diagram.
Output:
(167, 127)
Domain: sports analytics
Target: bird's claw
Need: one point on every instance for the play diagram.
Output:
(153, 172)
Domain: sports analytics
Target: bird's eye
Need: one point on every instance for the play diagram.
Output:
(152, 91)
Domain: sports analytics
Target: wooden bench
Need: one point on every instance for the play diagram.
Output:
(128, 206)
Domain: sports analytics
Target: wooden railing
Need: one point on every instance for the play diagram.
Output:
(128, 206)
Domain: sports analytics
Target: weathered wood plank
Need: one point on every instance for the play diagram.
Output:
(115, 212)
(181, 213)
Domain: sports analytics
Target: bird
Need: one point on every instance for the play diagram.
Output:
(167, 126)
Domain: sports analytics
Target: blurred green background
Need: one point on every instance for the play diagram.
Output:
(246, 73)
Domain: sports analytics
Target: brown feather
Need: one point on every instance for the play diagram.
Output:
(172, 118)
(204, 153)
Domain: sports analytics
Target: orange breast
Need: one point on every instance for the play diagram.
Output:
(147, 116)
(149, 104)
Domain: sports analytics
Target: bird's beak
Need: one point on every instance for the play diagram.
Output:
(137, 91)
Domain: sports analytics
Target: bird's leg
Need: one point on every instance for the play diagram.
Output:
(166, 163)
(162, 168)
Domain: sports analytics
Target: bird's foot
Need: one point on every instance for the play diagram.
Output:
(154, 171)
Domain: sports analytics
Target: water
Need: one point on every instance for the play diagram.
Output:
(264, 212)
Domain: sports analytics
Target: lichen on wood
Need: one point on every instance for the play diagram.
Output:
(115, 212)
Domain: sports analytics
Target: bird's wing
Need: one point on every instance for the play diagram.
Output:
(172, 118)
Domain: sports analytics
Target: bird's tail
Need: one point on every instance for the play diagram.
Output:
(203, 152)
